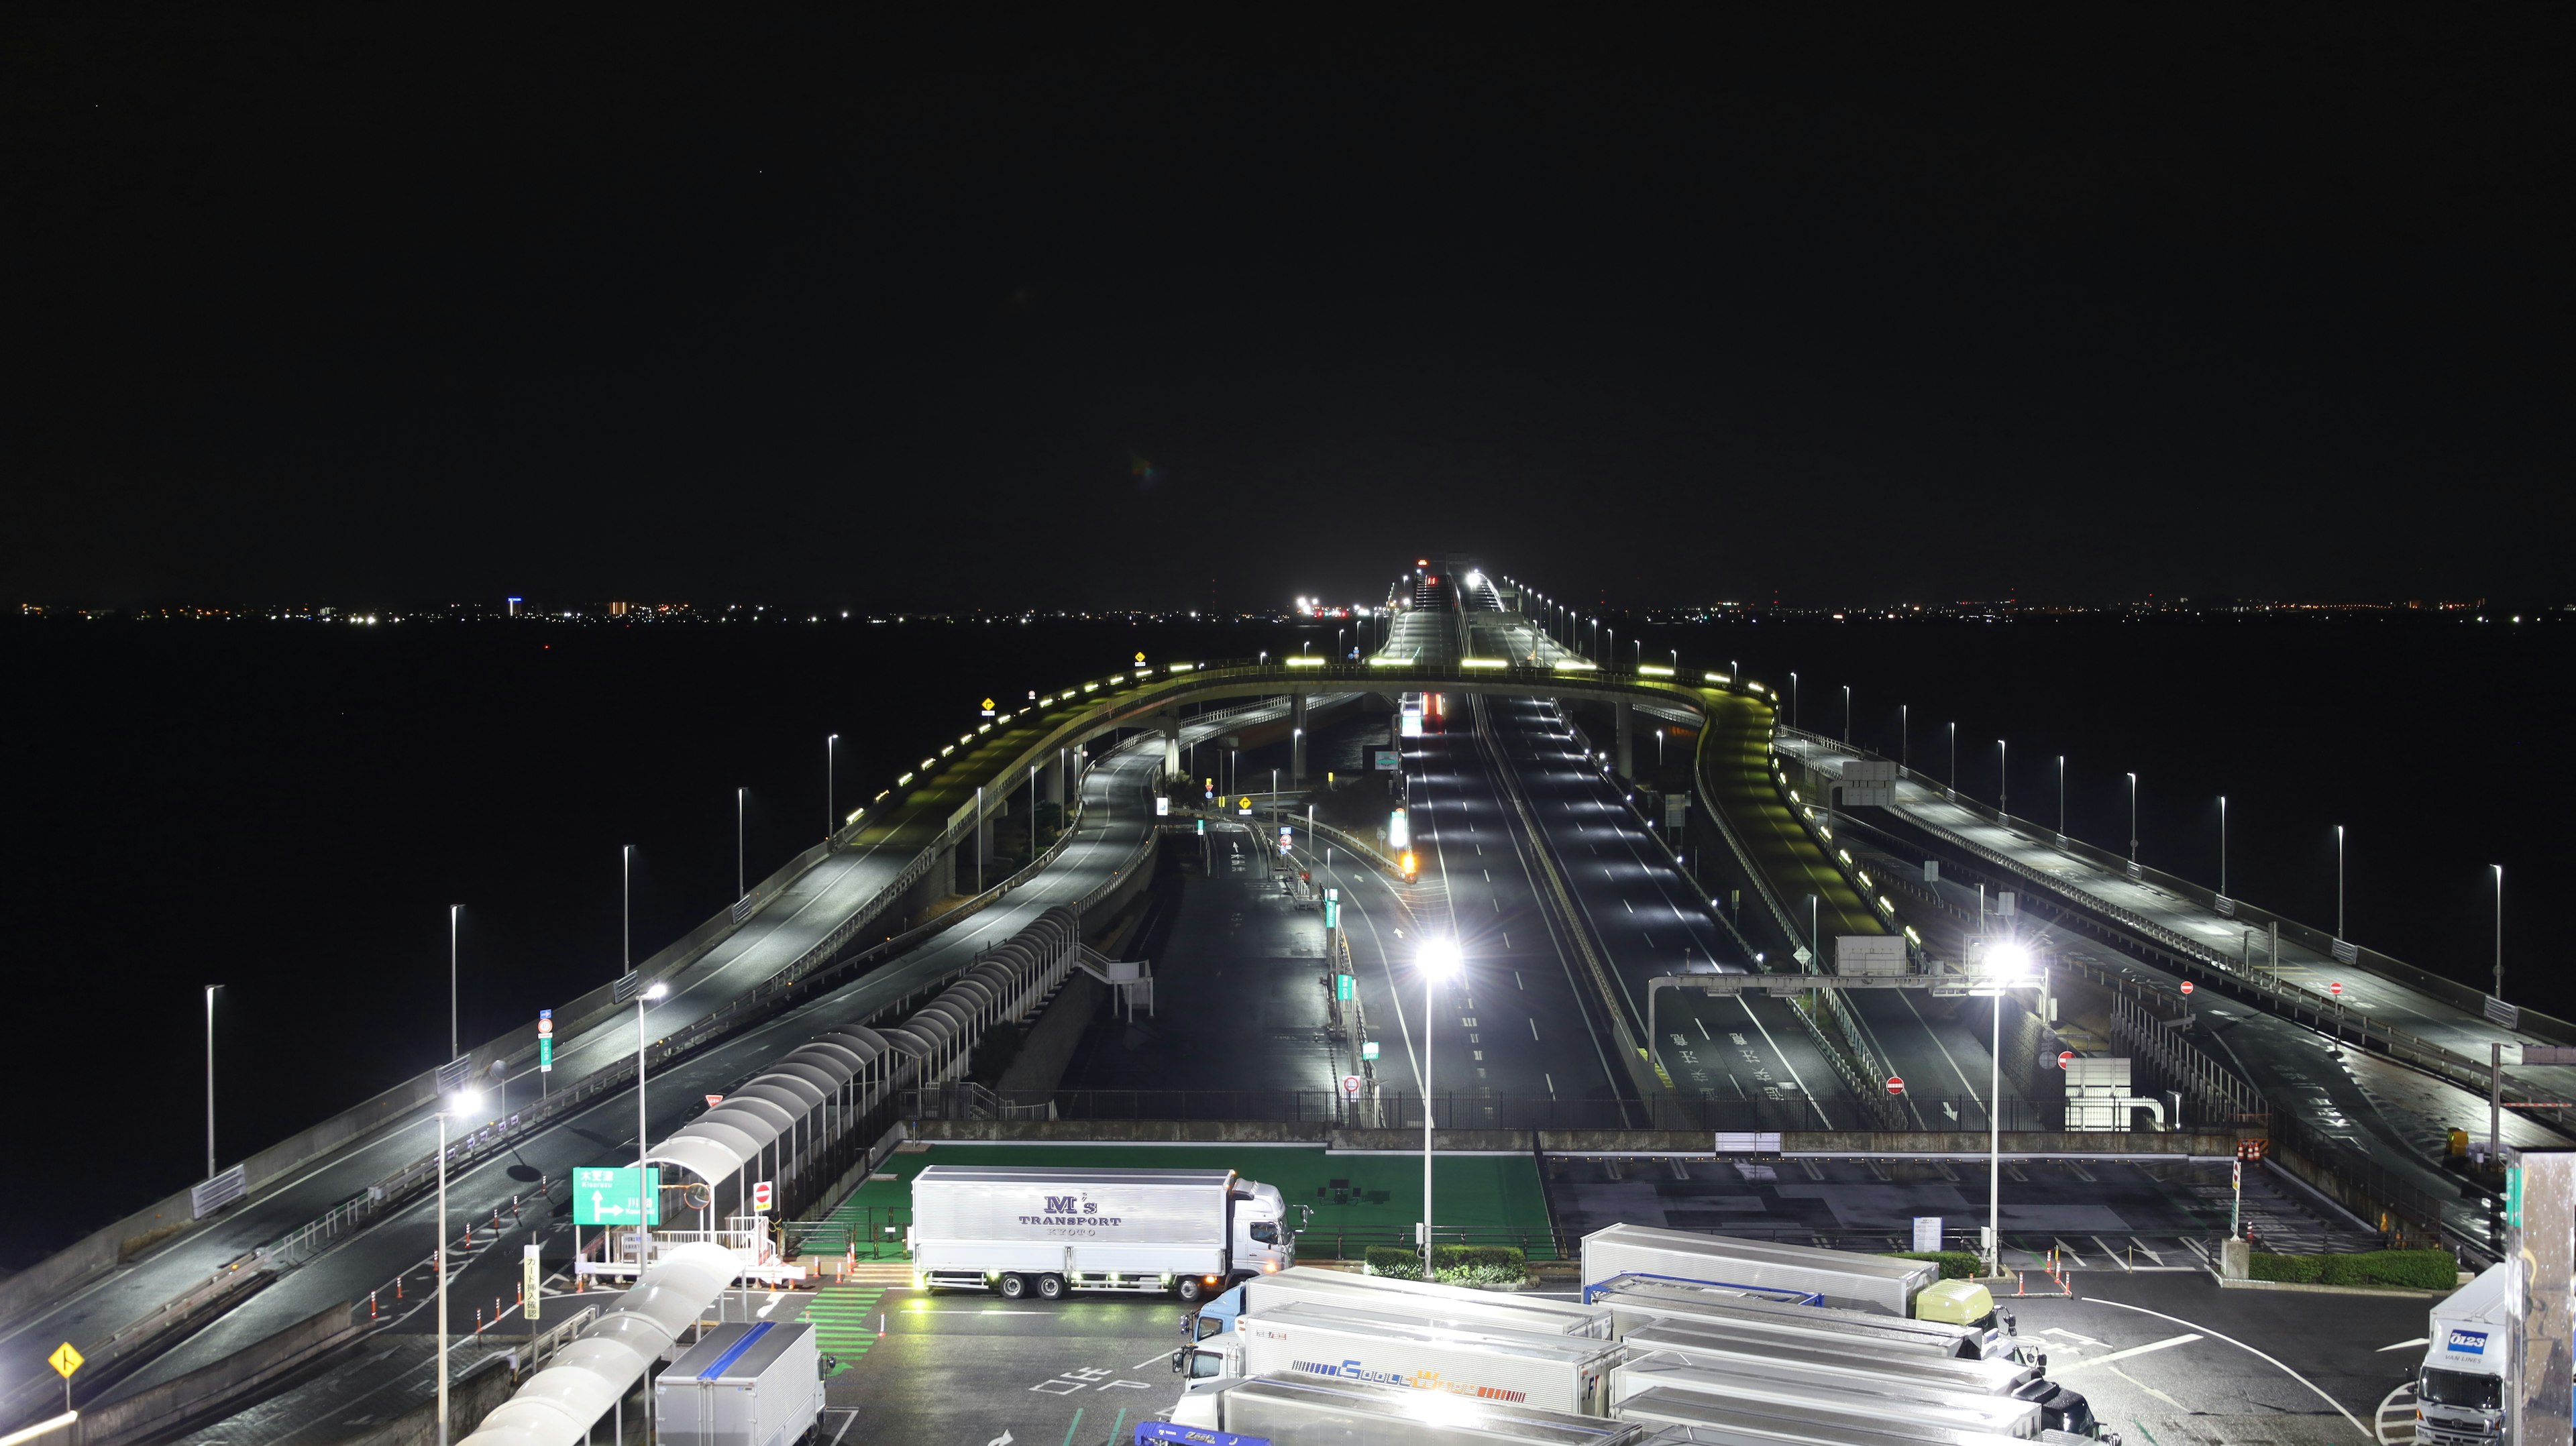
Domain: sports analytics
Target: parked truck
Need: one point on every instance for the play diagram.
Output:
(1843, 1278)
(1018, 1231)
(1862, 1397)
(1424, 1300)
(1687, 1418)
(1289, 1406)
(1812, 1347)
(2459, 1390)
(1555, 1372)
(1637, 1300)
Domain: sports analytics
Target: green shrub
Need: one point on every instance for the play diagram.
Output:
(1452, 1264)
(1955, 1264)
(2409, 1269)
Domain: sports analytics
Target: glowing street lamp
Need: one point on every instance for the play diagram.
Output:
(462, 1102)
(1438, 960)
(2006, 963)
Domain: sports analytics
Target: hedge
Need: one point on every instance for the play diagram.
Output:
(2412, 1269)
(1452, 1264)
(1955, 1264)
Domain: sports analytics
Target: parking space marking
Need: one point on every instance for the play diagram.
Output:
(2249, 1350)
(2165, 1344)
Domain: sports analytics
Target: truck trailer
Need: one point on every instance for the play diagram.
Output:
(1296, 1407)
(1736, 1345)
(2459, 1390)
(1859, 1396)
(1519, 1368)
(1719, 1422)
(1639, 1300)
(1842, 1277)
(1018, 1231)
(1417, 1299)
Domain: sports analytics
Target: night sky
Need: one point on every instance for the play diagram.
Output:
(339, 303)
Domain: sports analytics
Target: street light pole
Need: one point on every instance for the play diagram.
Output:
(2003, 779)
(2500, 983)
(1954, 757)
(831, 776)
(209, 1045)
(2133, 818)
(2338, 882)
(457, 1103)
(1793, 699)
(1846, 712)
(626, 908)
(2222, 845)
(1438, 960)
(738, 796)
(1904, 735)
(2061, 795)
(452, 1032)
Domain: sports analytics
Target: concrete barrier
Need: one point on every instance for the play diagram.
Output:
(1874, 1144)
(210, 1390)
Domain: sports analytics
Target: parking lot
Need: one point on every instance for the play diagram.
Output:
(976, 1370)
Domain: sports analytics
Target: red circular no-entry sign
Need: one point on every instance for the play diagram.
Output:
(2336, 988)
(2186, 988)
(1896, 1084)
(2065, 1058)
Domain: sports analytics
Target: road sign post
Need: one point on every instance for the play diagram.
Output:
(761, 1195)
(616, 1195)
(531, 1281)
(1896, 1084)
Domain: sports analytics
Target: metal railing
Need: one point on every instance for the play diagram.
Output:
(1388, 1110)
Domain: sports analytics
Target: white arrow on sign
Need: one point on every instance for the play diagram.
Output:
(1951, 1110)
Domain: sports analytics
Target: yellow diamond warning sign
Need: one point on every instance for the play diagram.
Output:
(64, 1360)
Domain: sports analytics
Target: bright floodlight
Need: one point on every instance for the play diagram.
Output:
(466, 1100)
(1439, 958)
(2008, 959)
(657, 991)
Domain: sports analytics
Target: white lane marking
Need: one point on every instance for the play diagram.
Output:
(2401, 1345)
(2150, 1390)
(1149, 1360)
(2249, 1350)
(1551, 1084)
(1703, 1029)
(1782, 1055)
(1533, 1024)
(1945, 1049)
(2165, 1344)
(2072, 1336)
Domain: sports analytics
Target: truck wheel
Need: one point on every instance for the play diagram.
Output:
(1013, 1286)
(1189, 1290)
(1051, 1287)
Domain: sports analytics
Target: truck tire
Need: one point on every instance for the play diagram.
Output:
(1013, 1287)
(1051, 1287)
(1189, 1289)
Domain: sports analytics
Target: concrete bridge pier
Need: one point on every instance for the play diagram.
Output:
(1297, 738)
(1051, 778)
(1171, 751)
(1627, 730)
(983, 854)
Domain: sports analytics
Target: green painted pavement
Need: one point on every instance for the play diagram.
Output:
(844, 1320)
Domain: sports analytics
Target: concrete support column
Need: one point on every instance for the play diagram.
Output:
(1627, 767)
(1051, 778)
(1171, 753)
(1297, 738)
(983, 830)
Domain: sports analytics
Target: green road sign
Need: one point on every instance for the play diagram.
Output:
(1368, 1050)
(603, 1195)
(1342, 988)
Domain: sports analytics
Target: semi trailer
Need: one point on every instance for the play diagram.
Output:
(1020, 1231)
(1297, 1407)
(1522, 1368)
(1637, 1300)
(1688, 1418)
(1840, 1350)
(1424, 1300)
(1841, 1277)
(1863, 1398)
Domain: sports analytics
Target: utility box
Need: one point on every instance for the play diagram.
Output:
(1869, 954)
(756, 1384)
(2099, 1097)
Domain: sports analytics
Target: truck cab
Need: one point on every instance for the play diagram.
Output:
(1264, 1242)
(2459, 1390)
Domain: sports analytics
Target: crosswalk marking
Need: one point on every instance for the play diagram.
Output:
(843, 1317)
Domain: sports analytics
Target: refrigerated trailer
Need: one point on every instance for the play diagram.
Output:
(1637, 1300)
(1750, 1342)
(1521, 1368)
(1843, 1278)
(1294, 1407)
(1857, 1396)
(1422, 1300)
(1018, 1230)
(1719, 1422)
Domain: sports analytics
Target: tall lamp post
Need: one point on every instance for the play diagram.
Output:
(457, 1104)
(452, 1033)
(1846, 712)
(212, 988)
(626, 907)
(1438, 960)
(1793, 698)
(2003, 779)
(2222, 845)
(2499, 968)
(2005, 964)
(831, 777)
(739, 795)
(2133, 818)
(2338, 883)
(2061, 797)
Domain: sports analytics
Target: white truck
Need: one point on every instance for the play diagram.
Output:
(1419, 1299)
(1635, 1300)
(1019, 1231)
(2459, 1390)
(1554, 1372)
(1862, 1398)
(1299, 1407)
(1843, 1278)
(1689, 1418)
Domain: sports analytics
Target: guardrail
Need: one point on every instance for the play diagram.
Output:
(1331, 1109)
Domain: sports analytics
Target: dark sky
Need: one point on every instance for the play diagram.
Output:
(330, 303)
